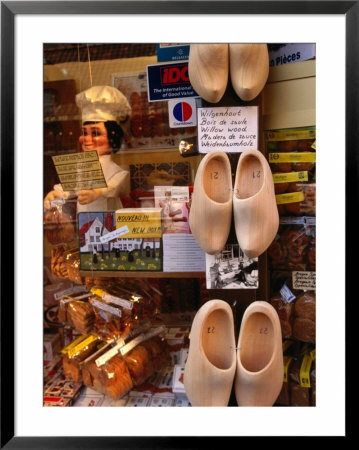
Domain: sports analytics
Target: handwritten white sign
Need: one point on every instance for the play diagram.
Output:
(232, 129)
(304, 280)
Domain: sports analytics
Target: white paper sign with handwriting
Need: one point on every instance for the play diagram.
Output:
(232, 129)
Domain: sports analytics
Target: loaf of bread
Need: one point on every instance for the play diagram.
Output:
(139, 364)
(81, 316)
(72, 362)
(304, 330)
(304, 324)
(115, 377)
(305, 305)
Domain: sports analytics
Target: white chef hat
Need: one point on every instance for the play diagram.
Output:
(102, 103)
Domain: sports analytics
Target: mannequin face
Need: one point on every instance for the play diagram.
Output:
(94, 137)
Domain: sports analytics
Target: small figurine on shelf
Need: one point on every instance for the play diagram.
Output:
(105, 113)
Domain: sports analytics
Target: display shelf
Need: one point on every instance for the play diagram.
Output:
(136, 274)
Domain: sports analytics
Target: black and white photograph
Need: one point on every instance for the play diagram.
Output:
(231, 269)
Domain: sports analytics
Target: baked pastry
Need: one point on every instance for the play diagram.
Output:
(58, 227)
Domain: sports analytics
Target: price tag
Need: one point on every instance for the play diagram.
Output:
(304, 280)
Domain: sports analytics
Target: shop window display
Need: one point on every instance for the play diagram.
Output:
(134, 228)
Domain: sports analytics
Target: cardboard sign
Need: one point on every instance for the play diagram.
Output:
(231, 129)
(169, 81)
(140, 222)
(79, 171)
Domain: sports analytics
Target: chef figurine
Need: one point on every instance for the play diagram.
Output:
(105, 112)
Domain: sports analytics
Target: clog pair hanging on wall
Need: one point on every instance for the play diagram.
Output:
(215, 365)
(210, 65)
(252, 203)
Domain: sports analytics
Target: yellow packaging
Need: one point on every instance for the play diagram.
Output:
(305, 371)
(290, 134)
(73, 344)
(289, 197)
(297, 157)
(81, 346)
(290, 177)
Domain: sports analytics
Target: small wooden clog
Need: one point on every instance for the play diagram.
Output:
(211, 362)
(255, 210)
(211, 207)
(249, 69)
(208, 68)
(259, 374)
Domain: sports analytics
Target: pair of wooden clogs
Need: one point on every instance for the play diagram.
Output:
(209, 66)
(215, 365)
(253, 202)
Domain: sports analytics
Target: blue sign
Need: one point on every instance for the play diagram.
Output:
(169, 81)
(172, 52)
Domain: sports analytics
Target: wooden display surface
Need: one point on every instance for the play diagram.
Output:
(137, 274)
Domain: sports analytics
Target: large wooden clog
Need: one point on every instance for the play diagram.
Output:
(211, 362)
(259, 374)
(208, 68)
(255, 210)
(249, 69)
(211, 207)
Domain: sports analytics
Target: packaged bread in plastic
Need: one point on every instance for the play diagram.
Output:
(118, 311)
(145, 354)
(108, 323)
(127, 364)
(75, 353)
(290, 349)
(300, 378)
(285, 311)
(304, 324)
(58, 226)
(65, 263)
(294, 245)
(292, 158)
(78, 313)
